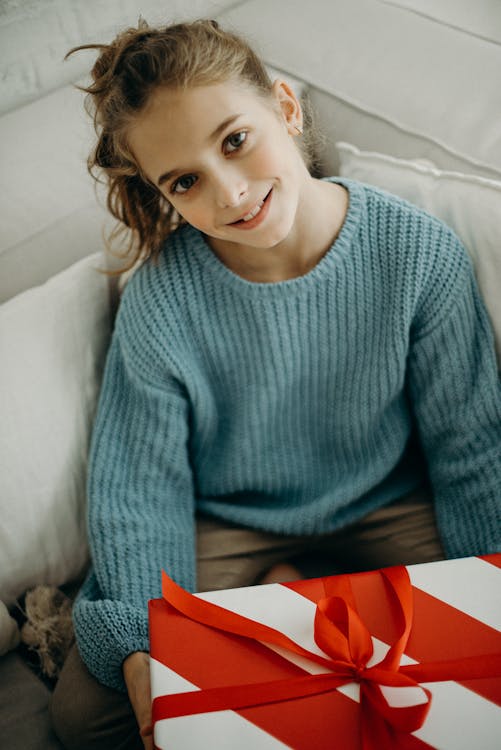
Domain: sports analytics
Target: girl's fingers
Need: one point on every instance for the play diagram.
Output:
(146, 733)
(137, 679)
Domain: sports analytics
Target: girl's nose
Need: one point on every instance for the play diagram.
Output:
(231, 190)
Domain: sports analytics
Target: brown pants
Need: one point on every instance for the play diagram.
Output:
(86, 715)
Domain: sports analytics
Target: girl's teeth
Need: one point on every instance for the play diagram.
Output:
(254, 212)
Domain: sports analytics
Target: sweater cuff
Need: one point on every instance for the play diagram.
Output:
(106, 633)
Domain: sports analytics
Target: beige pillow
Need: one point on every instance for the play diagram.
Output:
(469, 204)
(53, 340)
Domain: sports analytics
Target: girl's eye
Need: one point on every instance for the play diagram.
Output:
(185, 183)
(236, 140)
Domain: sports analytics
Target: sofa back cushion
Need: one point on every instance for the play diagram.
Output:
(53, 341)
(35, 35)
(387, 78)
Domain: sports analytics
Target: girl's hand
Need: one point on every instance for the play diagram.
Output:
(136, 669)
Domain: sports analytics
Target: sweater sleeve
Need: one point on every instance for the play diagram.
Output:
(140, 512)
(456, 395)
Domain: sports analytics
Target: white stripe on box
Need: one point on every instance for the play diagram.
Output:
(218, 730)
(273, 605)
(164, 681)
(469, 584)
(459, 719)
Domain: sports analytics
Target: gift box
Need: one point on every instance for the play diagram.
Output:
(404, 657)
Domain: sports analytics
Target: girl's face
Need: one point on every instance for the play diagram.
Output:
(220, 153)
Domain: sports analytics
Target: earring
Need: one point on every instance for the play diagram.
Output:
(299, 130)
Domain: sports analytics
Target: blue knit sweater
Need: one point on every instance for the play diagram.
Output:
(286, 406)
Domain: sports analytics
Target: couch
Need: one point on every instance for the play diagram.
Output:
(407, 97)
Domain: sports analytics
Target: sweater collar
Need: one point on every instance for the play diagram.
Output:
(198, 245)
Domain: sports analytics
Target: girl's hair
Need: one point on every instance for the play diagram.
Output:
(125, 75)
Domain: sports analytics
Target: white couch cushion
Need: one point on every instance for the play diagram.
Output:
(387, 79)
(469, 204)
(53, 340)
(482, 18)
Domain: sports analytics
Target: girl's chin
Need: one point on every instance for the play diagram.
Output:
(264, 238)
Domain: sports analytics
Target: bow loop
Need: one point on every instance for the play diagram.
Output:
(401, 602)
(340, 633)
(401, 716)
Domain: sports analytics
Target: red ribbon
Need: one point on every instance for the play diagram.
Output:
(342, 636)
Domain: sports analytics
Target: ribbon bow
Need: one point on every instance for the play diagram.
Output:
(342, 636)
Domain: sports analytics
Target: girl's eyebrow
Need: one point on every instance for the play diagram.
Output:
(212, 137)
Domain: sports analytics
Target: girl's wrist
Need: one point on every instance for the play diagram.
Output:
(134, 661)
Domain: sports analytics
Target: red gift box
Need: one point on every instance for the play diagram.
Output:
(403, 657)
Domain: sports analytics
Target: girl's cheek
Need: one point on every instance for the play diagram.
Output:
(263, 161)
(196, 216)
(271, 155)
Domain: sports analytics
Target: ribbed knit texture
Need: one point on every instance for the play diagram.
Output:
(286, 406)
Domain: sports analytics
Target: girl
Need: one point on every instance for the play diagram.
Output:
(280, 345)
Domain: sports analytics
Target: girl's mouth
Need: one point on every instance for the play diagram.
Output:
(255, 217)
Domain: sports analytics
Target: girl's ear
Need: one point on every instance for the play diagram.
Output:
(289, 106)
